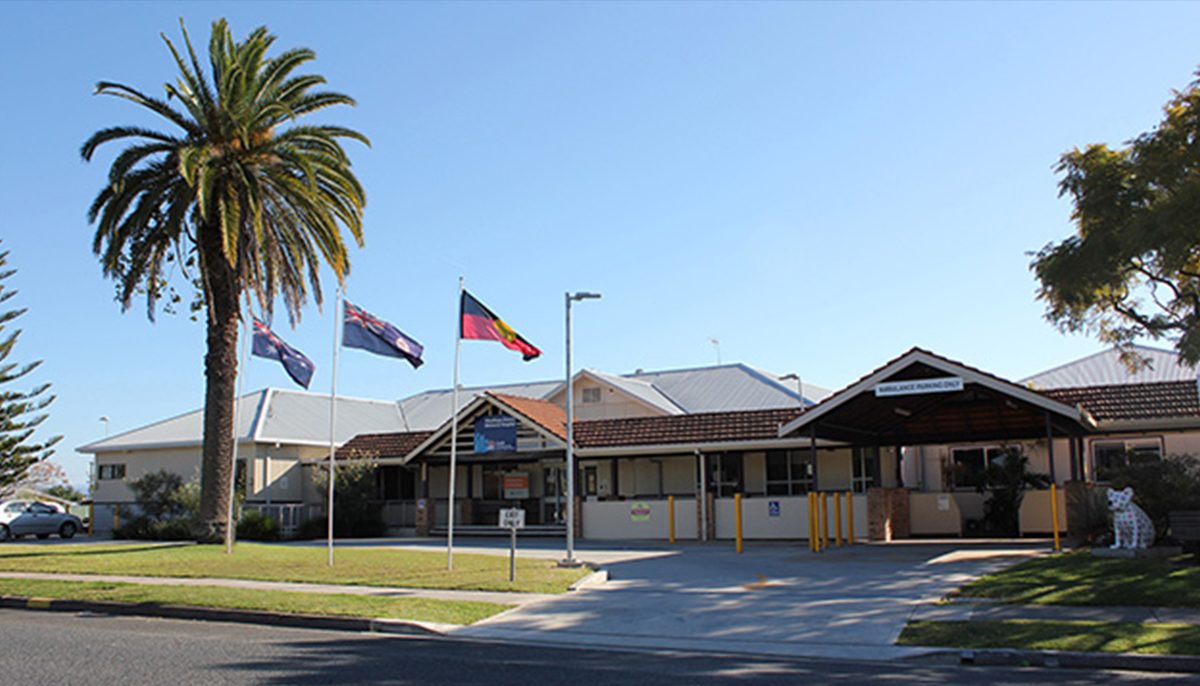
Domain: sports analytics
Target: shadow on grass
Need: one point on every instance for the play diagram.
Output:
(29, 551)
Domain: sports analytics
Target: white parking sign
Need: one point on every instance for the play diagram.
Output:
(512, 518)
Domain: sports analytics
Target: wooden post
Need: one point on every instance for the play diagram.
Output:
(1054, 516)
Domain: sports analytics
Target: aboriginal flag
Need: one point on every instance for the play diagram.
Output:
(272, 347)
(477, 322)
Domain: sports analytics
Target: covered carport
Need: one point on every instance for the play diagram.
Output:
(923, 399)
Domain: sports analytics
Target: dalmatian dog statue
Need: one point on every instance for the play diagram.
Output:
(1132, 527)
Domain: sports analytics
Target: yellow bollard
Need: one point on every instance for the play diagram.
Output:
(737, 519)
(824, 522)
(116, 517)
(837, 517)
(671, 518)
(849, 518)
(1054, 516)
(812, 524)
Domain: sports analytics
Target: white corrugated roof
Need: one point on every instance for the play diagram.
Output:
(427, 411)
(1105, 368)
(267, 416)
(728, 387)
(675, 391)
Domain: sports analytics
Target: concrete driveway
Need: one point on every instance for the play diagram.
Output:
(775, 599)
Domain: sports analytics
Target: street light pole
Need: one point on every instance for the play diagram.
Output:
(570, 496)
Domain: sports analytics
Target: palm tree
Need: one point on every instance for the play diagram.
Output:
(238, 199)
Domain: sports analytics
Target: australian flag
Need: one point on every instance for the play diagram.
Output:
(270, 346)
(363, 330)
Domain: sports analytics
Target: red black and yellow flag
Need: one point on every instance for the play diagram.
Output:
(477, 322)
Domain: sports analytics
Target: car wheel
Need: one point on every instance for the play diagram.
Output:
(4, 535)
(67, 530)
(42, 537)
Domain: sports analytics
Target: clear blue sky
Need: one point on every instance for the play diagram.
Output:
(820, 186)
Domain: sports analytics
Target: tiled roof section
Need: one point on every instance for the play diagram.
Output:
(546, 415)
(1169, 399)
(708, 427)
(382, 445)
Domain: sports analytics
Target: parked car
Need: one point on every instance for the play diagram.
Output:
(24, 517)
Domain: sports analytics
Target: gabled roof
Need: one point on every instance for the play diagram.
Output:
(924, 359)
(1144, 401)
(1105, 368)
(427, 410)
(549, 417)
(642, 391)
(270, 415)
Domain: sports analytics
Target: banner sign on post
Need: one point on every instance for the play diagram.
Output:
(516, 485)
(496, 434)
(947, 384)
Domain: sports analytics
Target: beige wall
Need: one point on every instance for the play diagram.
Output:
(612, 520)
(1035, 515)
(934, 514)
(792, 522)
(182, 461)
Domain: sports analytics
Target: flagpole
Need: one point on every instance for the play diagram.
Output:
(237, 420)
(337, 319)
(454, 433)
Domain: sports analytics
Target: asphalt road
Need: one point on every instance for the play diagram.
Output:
(44, 647)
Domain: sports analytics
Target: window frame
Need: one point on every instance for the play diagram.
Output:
(862, 478)
(591, 395)
(113, 471)
(1128, 445)
(986, 450)
(797, 480)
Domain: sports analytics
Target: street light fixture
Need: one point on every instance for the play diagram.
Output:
(104, 419)
(570, 559)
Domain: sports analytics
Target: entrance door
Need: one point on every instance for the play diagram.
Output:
(553, 504)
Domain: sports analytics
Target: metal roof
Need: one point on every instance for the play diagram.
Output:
(721, 388)
(270, 415)
(1105, 368)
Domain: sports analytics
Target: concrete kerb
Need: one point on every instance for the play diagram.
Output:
(1004, 657)
(598, 577)
(210, 614)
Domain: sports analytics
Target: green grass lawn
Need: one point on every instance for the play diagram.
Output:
(1080, 579)
(358, 566)
(1107, 637)
(421, 609)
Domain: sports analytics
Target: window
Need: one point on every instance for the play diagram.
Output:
(591, 395)
(789, 472)
(1109, 454)
(112, 471)
(970, 464)
(42, 508)
(866, 468)
(725, 474)
(16, 507)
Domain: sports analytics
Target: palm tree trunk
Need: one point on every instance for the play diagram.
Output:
(220, 374)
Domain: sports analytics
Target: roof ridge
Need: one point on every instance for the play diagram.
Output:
(160, 422)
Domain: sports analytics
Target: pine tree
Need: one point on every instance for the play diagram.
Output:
(20, 411)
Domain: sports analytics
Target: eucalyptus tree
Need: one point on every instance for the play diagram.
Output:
(1132, 269)
(237, 198)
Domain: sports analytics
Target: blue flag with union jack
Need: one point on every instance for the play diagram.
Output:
(361, 329)
(272, 347)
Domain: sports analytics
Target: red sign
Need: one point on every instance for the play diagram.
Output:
(516, 485)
